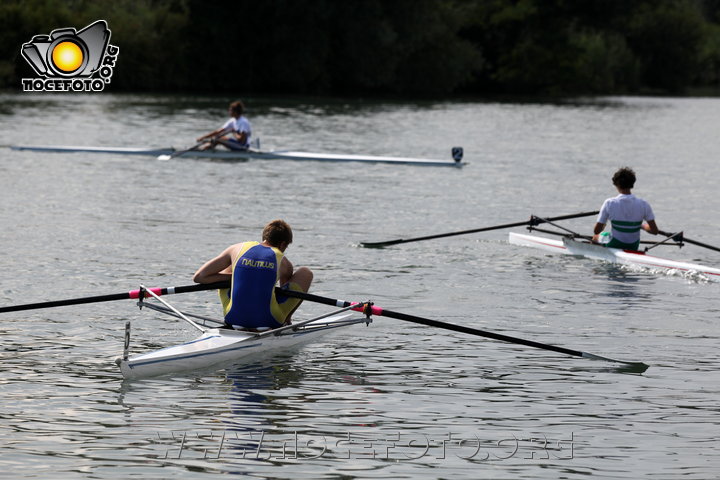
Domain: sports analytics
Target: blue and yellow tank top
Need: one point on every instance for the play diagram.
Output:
(250, 302)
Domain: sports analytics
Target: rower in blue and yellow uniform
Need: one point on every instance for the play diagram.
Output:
(626, 214)
(251, 301)
(254, 269)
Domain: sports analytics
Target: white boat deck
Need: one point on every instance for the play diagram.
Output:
(226, 346)
(568, 246)
(243, 155)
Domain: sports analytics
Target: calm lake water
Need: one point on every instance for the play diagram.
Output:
(392, 400)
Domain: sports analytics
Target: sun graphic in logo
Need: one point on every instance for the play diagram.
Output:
(67, 56)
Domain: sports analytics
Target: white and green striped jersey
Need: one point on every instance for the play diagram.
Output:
(625, 214)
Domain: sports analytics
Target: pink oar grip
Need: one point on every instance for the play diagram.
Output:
(373, 309)
(136, 293)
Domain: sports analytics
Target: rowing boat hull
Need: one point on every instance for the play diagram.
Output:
(569, 246)
(245, 155)
(225, 346)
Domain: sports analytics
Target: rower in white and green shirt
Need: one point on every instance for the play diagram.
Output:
(626, 214)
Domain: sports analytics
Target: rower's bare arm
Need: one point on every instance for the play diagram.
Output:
(599, 227)
(215, 133)
(216, 270)
(286, 271)
(241, 137)
(651, 227)
(211, 134)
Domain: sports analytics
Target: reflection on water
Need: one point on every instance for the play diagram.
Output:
(624, 283)
(252, 397)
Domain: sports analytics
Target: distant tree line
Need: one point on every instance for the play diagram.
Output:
(396, 47)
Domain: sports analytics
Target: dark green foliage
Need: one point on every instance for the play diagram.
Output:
(667, 37)
(401, 47)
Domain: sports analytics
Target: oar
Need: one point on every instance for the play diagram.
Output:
(679, 237)
(194, 147)
(532, 221)
(145, 291)
(181, 152)
(638, 367)
(589, 238)
(116, 296)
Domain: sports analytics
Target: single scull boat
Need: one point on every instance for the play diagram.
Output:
(568, 246)
(241, 155)
(225, 345)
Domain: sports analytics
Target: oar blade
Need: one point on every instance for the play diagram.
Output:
(381, 244)
(633, 367)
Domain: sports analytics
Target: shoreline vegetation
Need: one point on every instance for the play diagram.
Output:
(399, 48)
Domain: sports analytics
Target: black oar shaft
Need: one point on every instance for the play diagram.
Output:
(113, 297)
(62, 303)
(312, 298)
(432, 323)
(474, 230)
(638, 367)
(694, 242)
(480, 333)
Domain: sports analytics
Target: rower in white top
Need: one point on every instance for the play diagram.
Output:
(234, 134)
(626, 213)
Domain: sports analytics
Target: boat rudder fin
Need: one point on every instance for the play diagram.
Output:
(457, 154)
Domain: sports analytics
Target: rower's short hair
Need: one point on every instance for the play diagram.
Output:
(237, 107)
(277, 232)
(624, 178)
